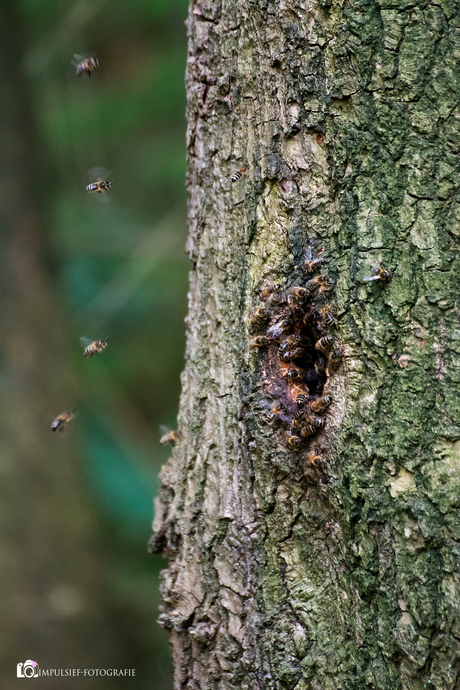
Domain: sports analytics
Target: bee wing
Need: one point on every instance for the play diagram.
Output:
(78, 59)
(84, 342)
(369, 278)
(98, 174)
(164, 430)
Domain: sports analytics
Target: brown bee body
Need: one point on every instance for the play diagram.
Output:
(310, 318)
(291, 355)
(259, 317)
(307, 430)
(298, 419)
(310, 262)
(328, 318)
(61, 420)
(258, 341)
(301, 400)
(298, 294)
(267, 291)
(318, 422)
(170, 438)
(324, 343)
(320, 365)
(101, 186)
(239, 173)
(295, 374)
(379, 273)
(276, 411)
(92, 347)
(280, 328)
(321, 404)
(85, 65)
(313, 458)
(294, 442)
(334, 359)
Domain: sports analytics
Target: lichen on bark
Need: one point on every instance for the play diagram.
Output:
(280, 575)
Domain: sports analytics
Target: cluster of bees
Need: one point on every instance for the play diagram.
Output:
(299, 349)
(84, 65)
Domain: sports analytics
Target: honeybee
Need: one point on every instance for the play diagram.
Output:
(61, 420)
(307, 430)
(320, 366)
(92, 347)
(280, 328)
(294, 441)
(313, 458)
(259, 316)
(239, 173)
(379, 273)
(327, 315)
(295, 340)
(267, 291)
(100, 186)
(321, 404)
(298, 294)
(298, 419)
(310, 318)
(276, 411)
(309, 263)
(258, 341)
(317, 422)
(295, 374)
(324, 343)
(301, 400)
(169, 437)
(290, 355)
(334, 359)
(85, 65)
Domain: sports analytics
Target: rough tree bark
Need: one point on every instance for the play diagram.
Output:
(345, 574)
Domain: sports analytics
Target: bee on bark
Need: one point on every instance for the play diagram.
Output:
(295, 374)
(324, 343)
(61, 420)
(276, 411)
(280, 328)
(310, 319)
(169, 438)
(291, 355)
(320, 366)
(259, 316)
(313, 458)
(293, 441)
(298, 419)
(297, 294)
(85, 65)
(267, 291)
(327, 316)
(334, 359)
(258, 341)
(92, 347)
(307, 430)
(239, 173)
(318, 422)
(379, 273)
(296, 340)
(310, 263)
(301, 400)
(320, 281)
(321, 404)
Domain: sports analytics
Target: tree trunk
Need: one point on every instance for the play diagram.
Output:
(345, 573)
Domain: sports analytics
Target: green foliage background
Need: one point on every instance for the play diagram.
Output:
(119, 268)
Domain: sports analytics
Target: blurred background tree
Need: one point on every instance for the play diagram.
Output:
(79, 587)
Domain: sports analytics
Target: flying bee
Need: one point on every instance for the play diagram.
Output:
(294, 442)
(307, 430)
(276, 411)
(240, 172)
(309, 263)
(320, 366)
(298, 419)
(259, 316)
(295, 374)
(321, 404)
(61, 420)
(324, 343)
(100, 186)
(327, 316)
(301, 400)
(169, 438)
(92, 347)
(379, 273)
(85, 65)
(258, 341)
